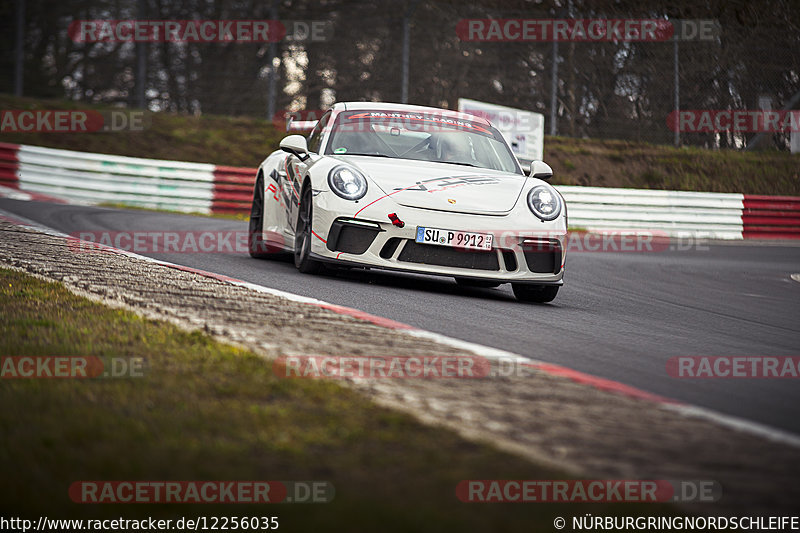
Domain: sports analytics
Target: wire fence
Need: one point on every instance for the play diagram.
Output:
(421, 51)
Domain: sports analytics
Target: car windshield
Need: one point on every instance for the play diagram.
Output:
(420, 137)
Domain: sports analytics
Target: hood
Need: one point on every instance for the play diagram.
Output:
(442, 186)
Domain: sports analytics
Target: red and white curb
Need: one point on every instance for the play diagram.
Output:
(16, 194)
(596, 382)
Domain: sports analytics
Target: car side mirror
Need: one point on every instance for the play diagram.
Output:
(541, 170)
(296, 145)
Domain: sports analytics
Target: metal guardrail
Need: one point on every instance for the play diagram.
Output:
(675, 213)
(771, 217)
(233, 189)
(198, 187)
(96, 178)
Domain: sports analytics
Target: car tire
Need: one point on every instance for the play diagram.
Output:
(303, 235)
(257, 246)
(477, 283)
(540, 294)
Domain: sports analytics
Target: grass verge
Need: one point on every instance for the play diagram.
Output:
(615, 163)
(208, 411)
(236, 141)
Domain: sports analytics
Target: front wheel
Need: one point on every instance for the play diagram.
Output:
(539, 294)
(303, 235)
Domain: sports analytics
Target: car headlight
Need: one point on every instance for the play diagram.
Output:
(347, 182)
(544, 202)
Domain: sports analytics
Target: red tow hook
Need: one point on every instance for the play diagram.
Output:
(396, 221)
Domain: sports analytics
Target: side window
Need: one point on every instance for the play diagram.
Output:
(315, 138)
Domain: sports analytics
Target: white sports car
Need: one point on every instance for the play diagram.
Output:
(414, 189)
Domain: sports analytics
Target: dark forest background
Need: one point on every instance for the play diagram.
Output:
(604, 90)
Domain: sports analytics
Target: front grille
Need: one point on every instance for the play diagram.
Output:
(543, 257)
(389, 248)
(428, 254)
(510, 260)
(351, 239)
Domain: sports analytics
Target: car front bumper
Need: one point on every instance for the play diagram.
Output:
(525, 249)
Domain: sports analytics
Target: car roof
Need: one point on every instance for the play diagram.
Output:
(388, 106)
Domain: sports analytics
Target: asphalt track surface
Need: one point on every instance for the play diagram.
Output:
(619, 316)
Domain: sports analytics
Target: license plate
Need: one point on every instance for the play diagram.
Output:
(457, 239)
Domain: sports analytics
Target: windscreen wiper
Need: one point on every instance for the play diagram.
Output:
(460, 163)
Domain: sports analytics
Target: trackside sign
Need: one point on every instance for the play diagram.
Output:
(524, 130)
